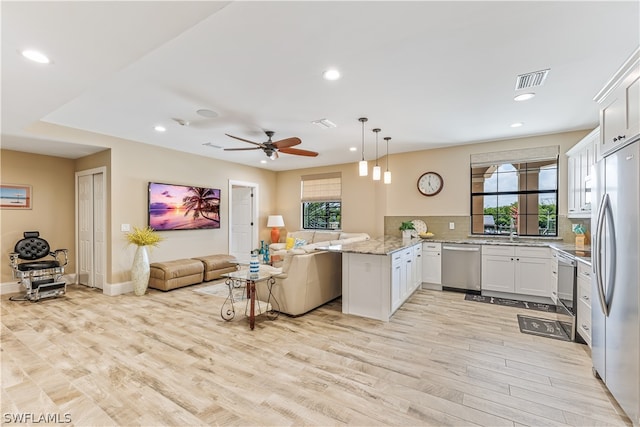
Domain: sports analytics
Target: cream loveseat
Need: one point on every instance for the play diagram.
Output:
(310, 277)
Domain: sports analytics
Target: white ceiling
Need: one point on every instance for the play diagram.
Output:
(429, 74)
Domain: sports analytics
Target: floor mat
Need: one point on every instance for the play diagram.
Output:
(549, 308)
(543, 327)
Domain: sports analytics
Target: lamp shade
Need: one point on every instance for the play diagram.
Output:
(275, 221)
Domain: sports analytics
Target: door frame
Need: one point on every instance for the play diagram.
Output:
(254, 214)
(103, 171)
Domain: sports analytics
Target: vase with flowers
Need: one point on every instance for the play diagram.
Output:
(140, 270)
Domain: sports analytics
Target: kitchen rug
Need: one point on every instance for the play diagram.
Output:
(549, 308)
(543, 327)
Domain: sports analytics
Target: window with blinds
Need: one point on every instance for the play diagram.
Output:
(321, 197)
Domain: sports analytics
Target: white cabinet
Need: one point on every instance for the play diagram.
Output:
(580, 162)
(522, 270)
(376, 285)
(620, 106)
(583, 315)
(553, 284)
(431, 263)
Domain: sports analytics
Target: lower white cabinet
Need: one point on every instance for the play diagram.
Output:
(432, 263)
(583, 315)
(522, 270)
(375, 286)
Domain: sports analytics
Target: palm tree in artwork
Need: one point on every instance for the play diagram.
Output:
(203, 202)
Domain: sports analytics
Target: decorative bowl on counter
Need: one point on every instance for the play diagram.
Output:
(428, 235)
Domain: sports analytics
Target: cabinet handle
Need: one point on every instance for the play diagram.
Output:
(517, 259)
(585, 327)
(511, 259)
(586, 298)
(619, 138)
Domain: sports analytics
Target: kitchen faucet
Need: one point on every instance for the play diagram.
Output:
(513, 236)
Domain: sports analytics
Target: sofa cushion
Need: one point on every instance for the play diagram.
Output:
(325, 236)
(299, 243)
(305, 235)
(290, 242)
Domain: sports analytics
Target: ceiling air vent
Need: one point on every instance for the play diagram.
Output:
(529, 80)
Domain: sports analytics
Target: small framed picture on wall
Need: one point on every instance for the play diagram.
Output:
(15, 196)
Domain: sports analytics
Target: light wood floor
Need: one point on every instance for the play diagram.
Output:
(169, 359)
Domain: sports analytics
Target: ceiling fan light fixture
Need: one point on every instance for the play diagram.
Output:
(516, 125)
(324, 123)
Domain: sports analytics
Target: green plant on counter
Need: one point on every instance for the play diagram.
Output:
(146, 236)
(407, 225)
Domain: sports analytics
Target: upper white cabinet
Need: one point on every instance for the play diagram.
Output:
(580, 162)
(620, 107)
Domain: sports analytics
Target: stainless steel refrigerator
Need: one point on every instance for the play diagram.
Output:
(615, 315)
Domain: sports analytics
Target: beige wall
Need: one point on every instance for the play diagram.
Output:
(52, 213)
(130, 166)
(366, 203)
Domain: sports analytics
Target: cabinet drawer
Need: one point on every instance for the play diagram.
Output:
(431, 247)
(584, 292)
(584, 271)
(498, 250)
(532, 251)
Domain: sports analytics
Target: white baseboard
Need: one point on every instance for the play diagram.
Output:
(114, 289)
(9, 288)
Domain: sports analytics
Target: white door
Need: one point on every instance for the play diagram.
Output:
(91, 214)
(242, 222)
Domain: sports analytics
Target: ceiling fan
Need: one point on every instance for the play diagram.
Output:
(272, 148)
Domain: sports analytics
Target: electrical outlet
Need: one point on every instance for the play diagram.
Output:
(125, 228)
(452, 226)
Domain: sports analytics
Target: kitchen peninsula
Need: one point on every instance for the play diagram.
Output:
(379, 275)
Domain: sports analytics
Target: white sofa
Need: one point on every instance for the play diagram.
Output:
(310, 277)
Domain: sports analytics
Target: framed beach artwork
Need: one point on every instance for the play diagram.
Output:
(14, 196)
(182, 207)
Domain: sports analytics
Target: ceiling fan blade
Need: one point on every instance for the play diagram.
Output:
(242, 149)
(288, 142)
(299, 152)
(245, 140)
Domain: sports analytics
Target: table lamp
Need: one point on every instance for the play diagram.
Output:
(275, 221)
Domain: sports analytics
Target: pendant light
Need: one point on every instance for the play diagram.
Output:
(387, 174)
(363, 166)
(376, 168)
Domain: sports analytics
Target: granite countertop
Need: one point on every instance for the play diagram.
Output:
(388, 244)
(381, 246)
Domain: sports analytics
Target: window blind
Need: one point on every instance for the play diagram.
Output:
(515, 156)
(322, 187)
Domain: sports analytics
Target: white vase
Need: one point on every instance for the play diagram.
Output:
(140, 271)
(406, 234)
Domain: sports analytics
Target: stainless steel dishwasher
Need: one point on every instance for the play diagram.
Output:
(461, 267)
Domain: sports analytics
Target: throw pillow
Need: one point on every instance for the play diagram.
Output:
(290, 242)
(299, 242)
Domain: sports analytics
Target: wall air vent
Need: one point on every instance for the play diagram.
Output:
(529, 80)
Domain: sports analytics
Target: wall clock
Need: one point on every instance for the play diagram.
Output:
(430, 183)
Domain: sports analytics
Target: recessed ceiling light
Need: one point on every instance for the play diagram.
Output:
(35, 56)
(210, 114)
(331, 74)
(159, 128)
(264, 162)
(524, 96)
(353, 149)
(516, 125)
